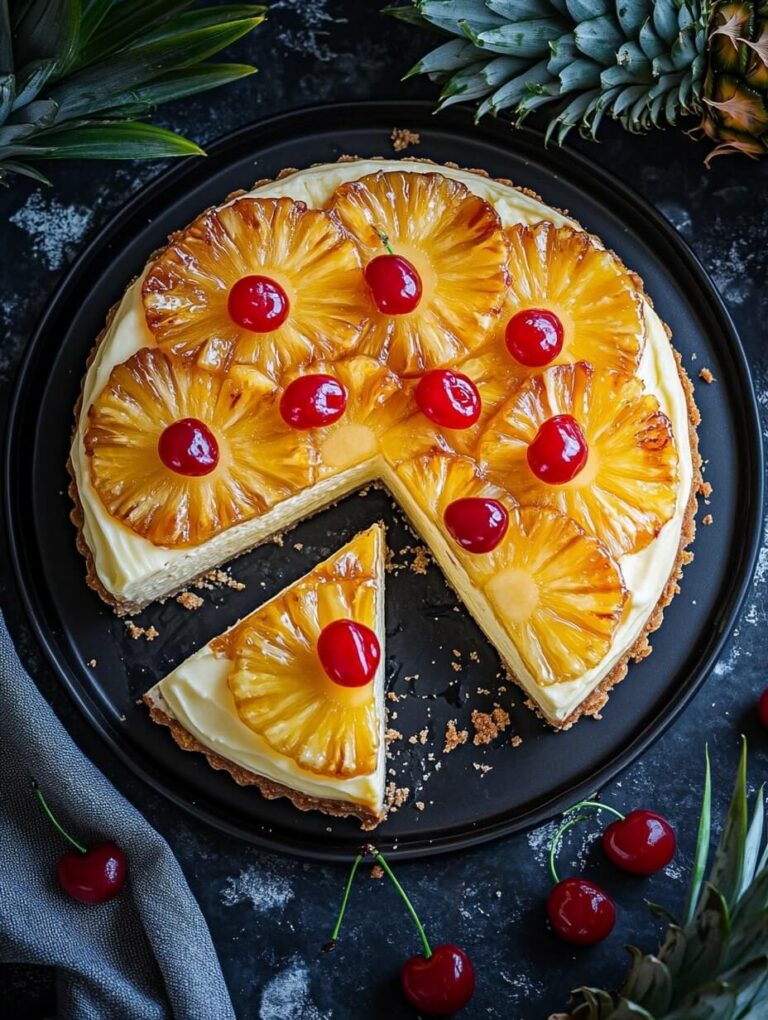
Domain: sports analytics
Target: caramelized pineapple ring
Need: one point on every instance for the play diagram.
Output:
(260, 461)
(283, 694)
(436, 479)
(628, 488)
(453, 239)
(303, 251)
(563, 271)
(556, 591)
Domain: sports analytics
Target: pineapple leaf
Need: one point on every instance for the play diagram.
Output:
(706, 937)
(701, 853)
(728, 866)
(206, 17)
(10, 166)
(91, 16)
(753, 841)
(627, 1010)
(182, 83)
(128, 20)
(114, 141)
(46, 30)
(6, 52)
(649, 983)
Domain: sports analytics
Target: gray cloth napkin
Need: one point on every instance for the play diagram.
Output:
(145, 954)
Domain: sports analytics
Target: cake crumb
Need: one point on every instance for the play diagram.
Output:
(92, 663)
(220, 578)
(474, 656)
(453, 737)
(189, 600)
(278, 540)
(516, 741)
(456, 667)
(391, 696)
(377, 871)
(706, 375)
(488, 725)
(707, 519)
(421, 559)
(391, 735)
(395, 796)
(705, 489)
(419, 805)
(402, 138)
(136, 632)
(482, 769)
(298, 546)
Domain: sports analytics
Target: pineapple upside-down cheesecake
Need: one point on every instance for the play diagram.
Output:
(450, 335)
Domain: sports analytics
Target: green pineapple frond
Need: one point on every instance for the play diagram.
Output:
(713, 963)
(74, 75)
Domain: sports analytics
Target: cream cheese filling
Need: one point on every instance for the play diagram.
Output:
(133, 569)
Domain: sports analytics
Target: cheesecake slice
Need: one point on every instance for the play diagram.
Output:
(291, 699)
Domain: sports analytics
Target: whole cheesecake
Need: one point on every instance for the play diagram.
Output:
(447, 334)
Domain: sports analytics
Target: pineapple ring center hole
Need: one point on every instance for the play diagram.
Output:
(514, 593)
(347, 445)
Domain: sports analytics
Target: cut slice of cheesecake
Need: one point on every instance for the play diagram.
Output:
(291, 698)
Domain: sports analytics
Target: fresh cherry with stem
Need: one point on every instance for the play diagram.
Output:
(437, 982)
(90, 874)
(393, 281)
(641, 842)
(579, 910)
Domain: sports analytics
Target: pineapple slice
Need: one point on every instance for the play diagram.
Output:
(434, 480)
(564, 271)
(304, 251)
(556, 591)
(627, 490)
(453, 239)
(261, 461)
(280, 689)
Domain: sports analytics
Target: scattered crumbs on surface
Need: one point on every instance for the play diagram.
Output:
(705, 489)
(474, 656)
(483, 690)
(456, 653)
(278, 540)
(391, 772)
(298, 546)
(377, 871)
(421, 559)
(488, 725)
(706, 375)
(482, 769)
(92, 663)
(497, 894)
(402, 138)
(420, 737)
(516, 741)
(391, 735)
(135, 632)
(286, 996)
(453, 737)
(707, 519)
(189, 600)
(456, 666)
(438, 766)
(694, 356)
(419, 805)
(391, 696)
(54, 230)
(255, 885)
(218, 578)
(395, 797)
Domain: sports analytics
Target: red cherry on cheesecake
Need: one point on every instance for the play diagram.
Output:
(394, 283)
(762, 708)
(476, 524)
(642, 842)
(90, 874)
(440, 984)
(188, 447)
(312, 401)
(580, 911)
(349, 652)
(448, 398)
(534, 337)
(558, 451)
(258, 303)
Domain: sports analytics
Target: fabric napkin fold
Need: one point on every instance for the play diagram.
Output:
(147, 953)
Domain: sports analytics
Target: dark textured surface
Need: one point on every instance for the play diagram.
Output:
(269, 915)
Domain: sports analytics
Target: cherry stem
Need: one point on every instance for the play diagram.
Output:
(385, 242)
(411, 910)
(344, 901)
(64, 833)
(596, 804)
(558, 840)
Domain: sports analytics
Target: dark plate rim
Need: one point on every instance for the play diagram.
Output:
(384, 113)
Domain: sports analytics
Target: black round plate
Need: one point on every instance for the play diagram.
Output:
(464, 804)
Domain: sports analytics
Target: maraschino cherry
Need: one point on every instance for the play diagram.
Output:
(188, 447)
(448, 398)
(89, 874)
(476, 524)
(579, 910)
(349, 652)
(312, 401)
(534, 337)
(437, 982)
(558, 451)
(762, 708)
(394, 282)
(258, 303)
(642, 842)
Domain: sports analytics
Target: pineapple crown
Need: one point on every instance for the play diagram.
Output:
(644, 63)
(713, 964)
(75, 73)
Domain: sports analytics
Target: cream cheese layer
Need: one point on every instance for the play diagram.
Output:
(133, 569)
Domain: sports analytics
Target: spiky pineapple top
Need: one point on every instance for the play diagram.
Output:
(644, 63)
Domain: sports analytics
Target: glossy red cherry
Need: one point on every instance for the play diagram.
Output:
(642, 842)
(349, 652)
(188, 447)
(534, 337)
(312, 401)
(440, 984)
(95, 876)
(258, 303)
(394, 283)
(558, 451)
(476, 524)
(580, 911)
(762, 708)
(448, 398)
